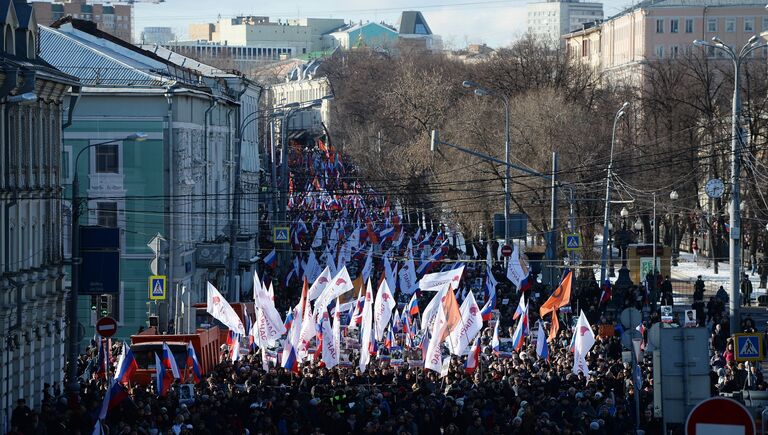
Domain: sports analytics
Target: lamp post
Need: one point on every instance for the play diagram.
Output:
(673, 196)
(73, 386)
(607, 210)
(737, 140)
(481, 92)
(624, 236)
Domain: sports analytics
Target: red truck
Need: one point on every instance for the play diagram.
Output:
(145, 345)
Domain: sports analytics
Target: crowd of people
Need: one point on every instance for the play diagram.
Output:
(517, 392)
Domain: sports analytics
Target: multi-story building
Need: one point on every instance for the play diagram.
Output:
(550, 20)
(157, 35)
(665, 29)
(373, 35)
(115, 19)
(32, 294)
(292, 37)
(179, 182)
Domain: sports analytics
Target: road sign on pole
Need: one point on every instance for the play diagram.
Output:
(720, 415)
(748, 347)
(572, 242)
(506, 250)
(106, 327)
(281, 235)
(157, 290)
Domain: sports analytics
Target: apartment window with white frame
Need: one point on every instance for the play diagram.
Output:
(674, 25)
(711, 24)
(749, 24)
(689, 25)
(106, 214)
(730, 25)
(660, 51)
(659, 25)
(765, 24)
(108, 159)
(673, 51)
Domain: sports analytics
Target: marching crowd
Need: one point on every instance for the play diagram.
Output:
(529, 389)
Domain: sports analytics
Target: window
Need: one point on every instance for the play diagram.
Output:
(106, 214)
(689, 25)
(659, 25)
(710, 51)
(66, 156)
(765, 24)
(749, 24)
(730, 25)
(673, 51)
(660, 51)
(674, 25)
(711, 24)
(107, 159)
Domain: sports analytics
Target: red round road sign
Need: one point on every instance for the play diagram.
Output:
(506, 250)
(720, 415)
(106, 327)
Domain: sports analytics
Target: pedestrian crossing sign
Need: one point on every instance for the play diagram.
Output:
(748, 347)
(281, 235)
(572, 242)
(157, 289)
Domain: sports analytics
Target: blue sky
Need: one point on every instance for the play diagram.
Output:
(459, 22)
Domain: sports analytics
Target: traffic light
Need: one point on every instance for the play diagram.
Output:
(93, 303)
(104, 305)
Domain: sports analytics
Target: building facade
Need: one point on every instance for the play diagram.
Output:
(373, 35)
(620, 45)
(115, 19)
(179, 183)
(550, 20)
(32, 294)
(157, 35)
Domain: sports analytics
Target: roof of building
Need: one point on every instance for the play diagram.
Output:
(188, 62)
(648, 4)
(99, 59)
(360, 25)
(413, 23)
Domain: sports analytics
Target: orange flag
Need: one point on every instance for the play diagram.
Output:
(452, 312)
(555, 328)
(560, 298)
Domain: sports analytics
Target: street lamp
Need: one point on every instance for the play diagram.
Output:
(675, 253)
(482, 92)
(737, 139)
(73, 386)
(607, 210)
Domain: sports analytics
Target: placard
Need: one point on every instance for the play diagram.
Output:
(690, 318)
(666, 313)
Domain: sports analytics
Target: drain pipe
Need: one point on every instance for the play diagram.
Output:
(207, 123)
(170, 204)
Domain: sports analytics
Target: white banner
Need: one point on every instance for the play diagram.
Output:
(219, 308)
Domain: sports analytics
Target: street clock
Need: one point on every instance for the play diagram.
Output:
(714, 188)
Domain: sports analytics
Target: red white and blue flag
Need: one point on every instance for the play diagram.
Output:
(542, 348)
(127, 366)
(473, 358)
(413, 305)
(192, 366)
(271, 259)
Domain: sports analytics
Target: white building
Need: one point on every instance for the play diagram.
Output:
(157, 35)
(551, 20)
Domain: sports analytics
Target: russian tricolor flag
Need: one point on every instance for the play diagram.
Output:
(271, 259)
(490, 305)
(495, 339)
(517, 337)
(413, 305)
(127, 366)
(163, 384)
(291, 363)
(192, 365)
(542, 349)
(473, 358)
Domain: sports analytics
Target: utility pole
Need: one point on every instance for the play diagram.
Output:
(607, 210)
(553, 263)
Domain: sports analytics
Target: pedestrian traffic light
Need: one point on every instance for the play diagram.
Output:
(93, 303)
(104, 303)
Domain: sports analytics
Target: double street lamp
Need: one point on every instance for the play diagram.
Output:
(675, 245)
(73, 386)
(737, 140)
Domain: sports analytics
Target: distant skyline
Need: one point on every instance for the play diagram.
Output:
(459, 22)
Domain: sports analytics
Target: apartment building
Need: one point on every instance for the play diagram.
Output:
(115, 19)
(550, 20)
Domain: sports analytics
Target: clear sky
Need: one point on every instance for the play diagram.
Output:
(494, 22)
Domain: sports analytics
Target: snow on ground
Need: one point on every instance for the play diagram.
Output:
(689, 270)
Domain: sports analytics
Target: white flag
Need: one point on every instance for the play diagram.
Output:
(389, 271)
(319, 284)
(408, 276)
(318, 240)
(471, 323)
(271, 325)
(434, 358)
(340, 284)
(368, 267)
(312, 268)
(433, 282)
(583, 342)
(330, 349)
(308, 332)
(366, 328)
(517, 270)
(219, 308)
(382, 309)
(429, 313)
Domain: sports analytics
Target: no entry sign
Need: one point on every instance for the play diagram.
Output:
(106, 327)
(720, 415)
(506, 250)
